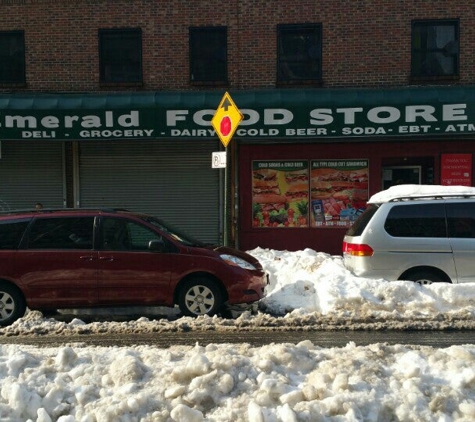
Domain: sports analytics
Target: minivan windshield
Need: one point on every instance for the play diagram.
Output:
(361, 222)
(175, 233)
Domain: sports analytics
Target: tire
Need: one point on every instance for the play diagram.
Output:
(200, 296)
(425, 278)
(12, 304)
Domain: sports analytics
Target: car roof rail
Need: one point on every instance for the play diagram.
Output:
(431, 196)
(50, 210)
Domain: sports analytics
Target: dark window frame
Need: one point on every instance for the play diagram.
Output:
(17, 68)
(200, 60)
(133, 69)
(429, 73)
(285, 74)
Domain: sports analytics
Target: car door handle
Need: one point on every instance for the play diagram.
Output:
(86, 257)
(106, 258)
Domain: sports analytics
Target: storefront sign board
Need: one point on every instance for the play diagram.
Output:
(273, 114)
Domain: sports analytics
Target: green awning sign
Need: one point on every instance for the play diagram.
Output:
(275, 114)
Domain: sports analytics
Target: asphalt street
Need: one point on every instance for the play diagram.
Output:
(325, 339)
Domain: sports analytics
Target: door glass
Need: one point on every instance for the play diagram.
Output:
(401, 175)
(119, 234)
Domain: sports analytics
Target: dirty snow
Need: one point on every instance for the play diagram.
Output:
(238, 382)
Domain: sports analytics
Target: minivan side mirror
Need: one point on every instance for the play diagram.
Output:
(156, 246)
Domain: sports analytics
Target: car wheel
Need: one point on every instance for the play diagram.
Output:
(12, 305)
(425, 278)
(199, 296)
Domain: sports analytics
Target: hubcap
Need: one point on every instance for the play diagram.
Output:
(424, 282)
(7, 306)
(199, 300)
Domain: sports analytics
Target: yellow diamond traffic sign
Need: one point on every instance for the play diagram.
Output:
(226, 119)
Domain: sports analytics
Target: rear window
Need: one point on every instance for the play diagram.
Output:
(11, 233)
(362, 221)
(416, 220)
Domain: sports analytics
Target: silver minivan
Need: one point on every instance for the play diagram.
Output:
(409, 234)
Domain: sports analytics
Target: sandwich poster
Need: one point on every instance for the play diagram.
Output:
(339, 191)
(280, 193)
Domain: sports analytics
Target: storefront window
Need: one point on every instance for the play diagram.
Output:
(280, 193)
(316, 193)
(339, 191)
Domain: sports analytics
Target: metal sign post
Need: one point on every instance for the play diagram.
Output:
(225, 122)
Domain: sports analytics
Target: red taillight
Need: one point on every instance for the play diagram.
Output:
(356, 249)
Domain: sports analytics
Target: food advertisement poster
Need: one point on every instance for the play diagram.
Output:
(339, 191)
(280, 193)
(456, 169)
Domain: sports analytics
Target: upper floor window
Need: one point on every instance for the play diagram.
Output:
(120, 55)
(12, 57)
(208, 54)
(299, 52)
(435, 48)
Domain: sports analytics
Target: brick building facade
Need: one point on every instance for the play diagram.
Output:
(365, 43)
(368, 107)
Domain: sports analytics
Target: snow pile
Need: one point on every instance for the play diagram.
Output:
(279, 382)
(307, 281)
(419, 190)
(237, 382)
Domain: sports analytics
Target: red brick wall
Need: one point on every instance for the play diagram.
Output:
(366, 43)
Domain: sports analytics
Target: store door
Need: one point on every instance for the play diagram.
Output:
(401, 175)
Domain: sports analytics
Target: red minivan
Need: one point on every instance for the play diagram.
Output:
(82, 258)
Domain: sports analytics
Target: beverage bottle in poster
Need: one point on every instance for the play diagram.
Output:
(317, 208)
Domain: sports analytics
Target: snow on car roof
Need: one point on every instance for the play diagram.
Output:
(419, 191)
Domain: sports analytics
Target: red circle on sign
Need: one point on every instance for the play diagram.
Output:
(225, 126)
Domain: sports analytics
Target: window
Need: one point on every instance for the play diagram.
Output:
(362, 221)
(119, 234)
(435, 48)
(461, 220)
(299, 53)
(62, 233)
(424, 220)
(208, 55)
(11, 233)
(120, 55)
(12, 57)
